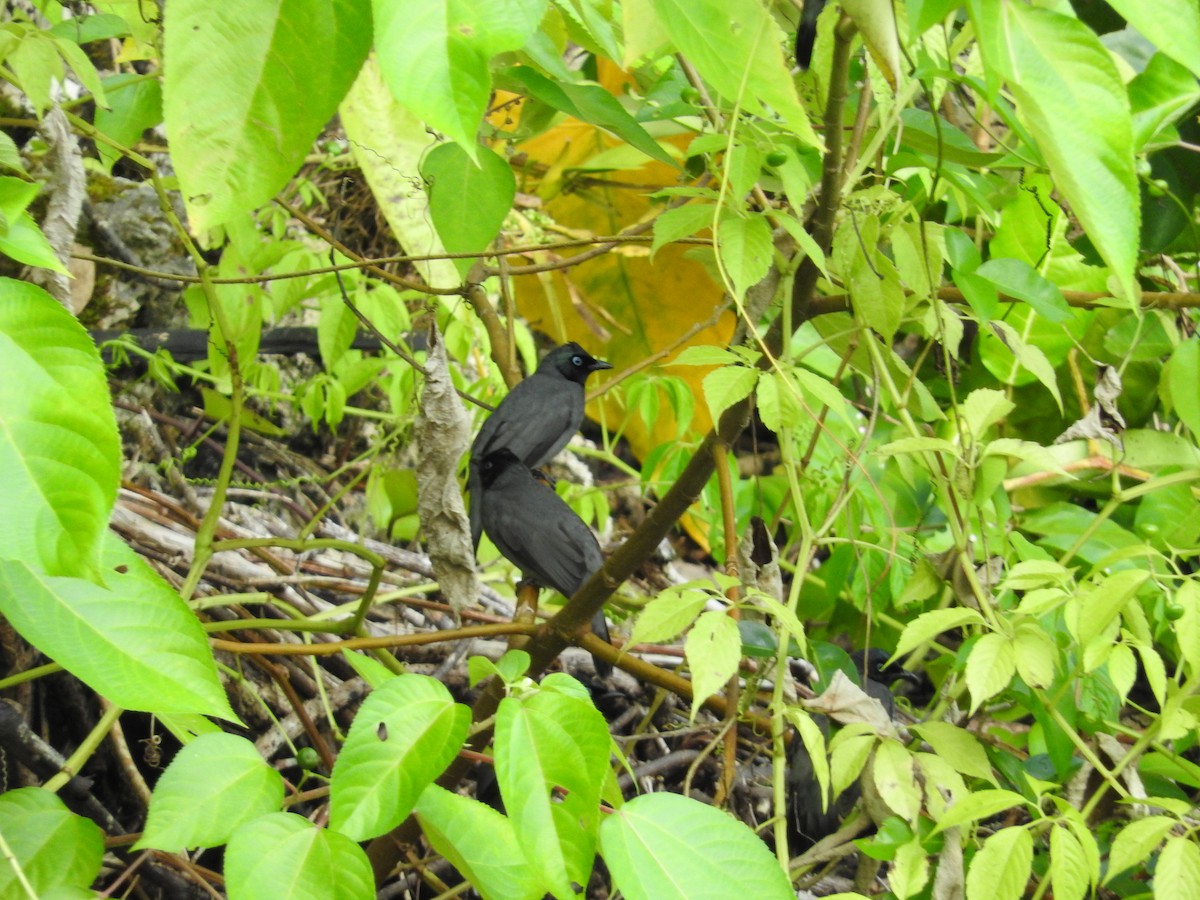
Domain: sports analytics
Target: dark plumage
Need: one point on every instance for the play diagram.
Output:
(806, 33)
(808, 819)
(536, 419)
(535, 530)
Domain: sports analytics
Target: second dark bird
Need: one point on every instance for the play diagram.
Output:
(809, 817)
(536, 419)
(536, 531)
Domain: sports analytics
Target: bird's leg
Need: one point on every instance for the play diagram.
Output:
(526, 612)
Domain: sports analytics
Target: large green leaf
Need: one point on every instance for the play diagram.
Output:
(388, 143)
(59, 449)
(480, 842)
(54, 848)
(404, 736)
(1001, 869)
(664, 846)
(467, 200)
(737, 49)
(247, 88)
(1171, 25)
(212, 786)
(1071, 97)
(546, 742)
(129, 637)
(285, 855)
(434, 55)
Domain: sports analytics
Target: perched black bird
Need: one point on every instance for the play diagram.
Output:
(809, 819)
(535, 530)
(536, 419)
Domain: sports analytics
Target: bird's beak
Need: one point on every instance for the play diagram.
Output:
(598, 364)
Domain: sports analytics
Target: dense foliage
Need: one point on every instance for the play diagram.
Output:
(905, 341)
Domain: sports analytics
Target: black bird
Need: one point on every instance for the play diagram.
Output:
(535, 530)
(536, 419)
(809, 819)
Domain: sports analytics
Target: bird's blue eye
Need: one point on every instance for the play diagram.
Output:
(577, 361)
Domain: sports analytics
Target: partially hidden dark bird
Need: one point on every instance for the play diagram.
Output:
(806, 32)
(809, 819)
(536, 419)
(537, 531)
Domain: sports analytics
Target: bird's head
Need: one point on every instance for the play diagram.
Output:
(873, 664)
(496, 463)
(572, 362)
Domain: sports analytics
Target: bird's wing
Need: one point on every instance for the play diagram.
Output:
(556, 550)
(535, 420)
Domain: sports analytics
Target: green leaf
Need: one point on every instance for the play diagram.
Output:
(82, 66)
(665, 846)
(726, 386)
(713, 650)
(1183, 374)
(1018, 279)
(1187, 629)
(546, 742)
(1018, 353)
(1001, 869)
(918, 260)
(779, 402)
(85, 29)
(389, 143)
(10, 156)
(1068, 866)
(1035, 655)
(990, 668)
(917, 444)
(958, 747)
(744, 248)
(1171, 25)
(737, 49)
(682, 221)
(285, 855)
(1178, 869)
(54, 848)
(467, 202)
(404, 736)
(22, 239)
(135, 104)
(129, 636)
(1096, 607)
(978, 806)
(873, 280)
(479, 842)
(927, 626)
(1160, 95)
(592, 104)
(36, 63)
(848, 754)
(983, 408)
(1071, 97)
(434, 56)
(212, 786)
(668, 614)
(895, 777)
(246, 90)
(1134, 843)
